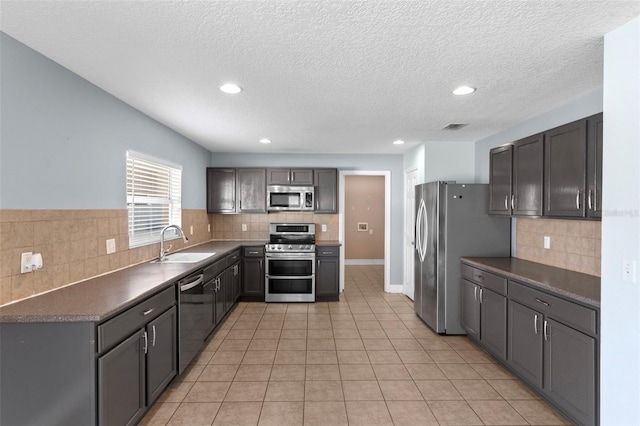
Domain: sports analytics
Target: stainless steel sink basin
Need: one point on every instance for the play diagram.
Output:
(184, 257)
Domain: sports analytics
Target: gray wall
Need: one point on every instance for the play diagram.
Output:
(393, 163)
(581, 107)
(63, 140)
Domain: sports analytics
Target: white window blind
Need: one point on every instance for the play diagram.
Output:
(153, 198)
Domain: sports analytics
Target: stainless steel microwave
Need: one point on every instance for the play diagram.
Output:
(291, 198)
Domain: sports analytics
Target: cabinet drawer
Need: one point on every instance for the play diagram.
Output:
(485, 279)
(254, 251)
(569, 313)
(332, 251)
(215, 269)
(233, 258)
(121, 326)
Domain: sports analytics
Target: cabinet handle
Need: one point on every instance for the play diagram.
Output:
(289, 176)
(506, 202)
(542, 301)
(254, 252)
(153, 339)
(326, 252)
(146, 342)
(546, 330)
(513, 201)
(578, 200)
(589, 199)
(148, 311)
(481, 295)
(535, 323)
(595, 200)
(475, 292)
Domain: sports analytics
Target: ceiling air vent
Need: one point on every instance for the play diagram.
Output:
(454, 126)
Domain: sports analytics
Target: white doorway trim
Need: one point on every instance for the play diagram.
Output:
(387, 221)
(408, 248)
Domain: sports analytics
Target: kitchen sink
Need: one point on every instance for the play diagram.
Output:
(184, 257)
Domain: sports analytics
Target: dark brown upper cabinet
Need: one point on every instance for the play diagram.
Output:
(251, 191)
(302, 177)
(236, 190)
(500, 180)
(594, 166)
(221, 190)
(527, 176)
(565, 170)
(326, 191)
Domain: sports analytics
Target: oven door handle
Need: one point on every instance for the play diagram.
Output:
(287, 277)
(291, 256)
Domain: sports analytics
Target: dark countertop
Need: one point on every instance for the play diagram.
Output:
(562, 282)
(99, 298)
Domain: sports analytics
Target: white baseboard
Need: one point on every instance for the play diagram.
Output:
(395, 288)
(364, 261)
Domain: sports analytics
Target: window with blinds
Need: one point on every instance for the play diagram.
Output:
(153, 198)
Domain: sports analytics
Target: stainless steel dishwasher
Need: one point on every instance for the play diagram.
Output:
(193, 305)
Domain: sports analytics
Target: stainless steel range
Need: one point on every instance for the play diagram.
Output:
(290, 263)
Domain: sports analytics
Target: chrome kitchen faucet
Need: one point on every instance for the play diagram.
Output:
(163, 252)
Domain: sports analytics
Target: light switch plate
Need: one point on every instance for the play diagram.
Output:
(25, 262)
(547, 242)
(324, 227)
(208, 227)
(191, 230)
(111, 246)
(244, 227)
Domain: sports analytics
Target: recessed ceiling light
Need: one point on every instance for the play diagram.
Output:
(265, 140)
(398, 142)
(231, 88)
(464, 90)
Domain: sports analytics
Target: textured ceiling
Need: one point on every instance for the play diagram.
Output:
(327, 76)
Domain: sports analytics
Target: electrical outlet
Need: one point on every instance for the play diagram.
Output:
(244, 227)
(629, 270)
(324, 227)
(208, 227)
(547, 242)
(111, 246)
(25, 262)
(191, 230)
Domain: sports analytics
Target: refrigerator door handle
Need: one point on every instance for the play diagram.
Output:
(422, 213)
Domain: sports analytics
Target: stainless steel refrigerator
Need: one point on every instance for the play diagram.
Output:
(452, 221)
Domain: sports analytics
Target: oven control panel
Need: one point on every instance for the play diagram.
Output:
(295, 248)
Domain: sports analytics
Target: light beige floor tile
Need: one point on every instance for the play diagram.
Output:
(212, 345)
(270, 325)
(238, 414)
(292, 344)
(294, 334)
(227, 357)
(320, 333)
(377, 344)
(373, 334)
(295, 325)
(425, 372)
(384, 357)
(195, 414)
(391, 372)
(176, 392)
(325, 413)
(349, 344)
(159, 414)
(368, 413)
(191, 373)
(323, 390)
(409, 344)
(273, 316)
(538, 413)
(319, 324)
(240, 334)
(263, 345)
(362, 390)
(434, 345)
(414, 357)
(454, 413)
(497, 413)
(492, 371)
(290, 357)
(285, 391)
(411, 413)
(253, 373)
(322, 372)
(400, 390)
(246, 391)
(512, 389)
(321, 345)
(475, 390)
(400, 334)
(438, 390)
(347, 333)
(353, 357)
(282, 414)
(322, 357)
(357, 372)
(259, 357)
(234, 345)
(446, 357)
(287, 372)
(476, 357)
(203, 357)
(218, 373)
(459, 371)
(460, 343)
(207, 392)
(267, 334)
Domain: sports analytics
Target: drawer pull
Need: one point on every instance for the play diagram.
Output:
(254, 252)
(535, 323)
(153, 339)
(327, 252)
(481, 295)
(542, 301)
(546, 330)
(148, 311)
(146, 342)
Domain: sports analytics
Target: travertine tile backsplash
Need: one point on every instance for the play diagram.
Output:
(575, 244)
(73, 246)
(229, 226)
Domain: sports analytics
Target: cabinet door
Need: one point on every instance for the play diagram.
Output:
(594, 166)
(228, 289)
(326, 191)
(303, 177)
(570, 368)
(527, 176)
(525, 342)
(251, 190)
(493, 323)
(565, 171)
(209, 308)
(278, 176)
(220, 286)
(328, 278)
(253, 277)
(500, 180)
(121, 383)
(162, 363)
(221, 190)
(470, 309)
(237, 281)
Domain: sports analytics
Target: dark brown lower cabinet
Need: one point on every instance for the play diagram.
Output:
(253, 274)
(327, 273)
(470, 309)
(525, 343)
(493, 323)
(133, 374)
